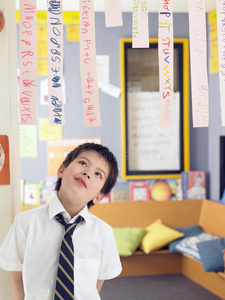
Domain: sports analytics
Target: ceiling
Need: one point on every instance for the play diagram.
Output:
(73, 5)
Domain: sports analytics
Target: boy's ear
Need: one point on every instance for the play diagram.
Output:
(60, 171)
(98, 198)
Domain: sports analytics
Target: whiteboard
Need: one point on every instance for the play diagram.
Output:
(152, 147)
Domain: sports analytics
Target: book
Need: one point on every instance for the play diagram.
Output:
(31, 193)
(193, 185)
(162, 189)
(120, 192)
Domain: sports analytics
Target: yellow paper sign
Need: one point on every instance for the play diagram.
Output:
(212, 17)
(213, 32)
(42, 33)
(42, 67)
(41, 50)
(28, 141)
(49, 132)
(73, 33)
(214, 65)
(214, 48)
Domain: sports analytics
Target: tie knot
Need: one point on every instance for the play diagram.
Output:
(69, 228)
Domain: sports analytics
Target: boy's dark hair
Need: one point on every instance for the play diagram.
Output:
(103, 152)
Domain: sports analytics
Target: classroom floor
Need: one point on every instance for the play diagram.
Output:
(161, 287)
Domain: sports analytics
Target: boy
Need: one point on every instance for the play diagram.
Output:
(31, 250)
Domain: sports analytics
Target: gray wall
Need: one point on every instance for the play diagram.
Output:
(107, 43)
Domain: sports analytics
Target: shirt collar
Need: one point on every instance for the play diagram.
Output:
(56, 207)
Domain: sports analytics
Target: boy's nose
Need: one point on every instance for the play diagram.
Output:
(86, 175)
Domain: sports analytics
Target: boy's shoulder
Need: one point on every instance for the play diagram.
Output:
(96, 221)
(31, 214)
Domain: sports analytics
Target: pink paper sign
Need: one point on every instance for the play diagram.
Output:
(113, 13)
(140, 32)
(199, 79)
(165, 51)
(28, 62)
(55, 62)
(221, 45)
(88, 65)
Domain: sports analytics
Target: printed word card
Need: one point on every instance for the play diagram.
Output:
(55, 62)
(165, 50)
(113, 13)
(88, 65)
(140, 32)
(221, 44)
(199, 79)
(28, 62)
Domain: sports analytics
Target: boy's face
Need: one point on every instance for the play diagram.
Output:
(83, 179)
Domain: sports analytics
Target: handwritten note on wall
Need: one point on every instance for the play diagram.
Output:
(28, 62)
(140, 32)
(165, 50)
(113, 13)
(152, 147)
(55, 62)
(221, 43)
(199, 79)
(88, 65)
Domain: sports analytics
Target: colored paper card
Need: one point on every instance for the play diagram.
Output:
(41, 33)
(213, 32)
(44, 92)
(28, 62)
(42, 67)
(58, 150)
(140, 32)
(221, 43)
(165, 53)
(214, 65)
(113, 13)
(213, 48)
(4, 160)
(88, 65)
(71, 17)
(73, 33)
(49, 132)
(42, 50)
(28, 141)
(212, 18)
(199, 79)
(55, 62)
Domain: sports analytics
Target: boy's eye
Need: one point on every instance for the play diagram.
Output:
(83, 163)
(99, 174)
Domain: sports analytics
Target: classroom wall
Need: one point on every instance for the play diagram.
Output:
(107, 43)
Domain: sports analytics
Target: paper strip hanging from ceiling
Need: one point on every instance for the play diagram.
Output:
(28, 62)
(88, 65)
(55, 62)
(221, 46)
(165, 51)
(140, 32)
(113, 13)
(198, 57)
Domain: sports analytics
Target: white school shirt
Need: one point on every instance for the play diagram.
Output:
(33, 244)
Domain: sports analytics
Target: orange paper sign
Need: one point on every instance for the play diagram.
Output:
(4, 160)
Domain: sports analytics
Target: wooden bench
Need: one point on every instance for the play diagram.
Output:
(176, 214)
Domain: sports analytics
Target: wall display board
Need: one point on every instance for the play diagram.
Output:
(148, 149)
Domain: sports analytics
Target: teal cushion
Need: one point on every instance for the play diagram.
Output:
(128, 239)
(211, 253)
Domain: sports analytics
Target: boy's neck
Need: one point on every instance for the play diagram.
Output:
(71, 208)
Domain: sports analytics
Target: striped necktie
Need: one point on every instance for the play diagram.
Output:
(65, 276)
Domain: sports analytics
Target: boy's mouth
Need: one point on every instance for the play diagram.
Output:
(81, 182)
